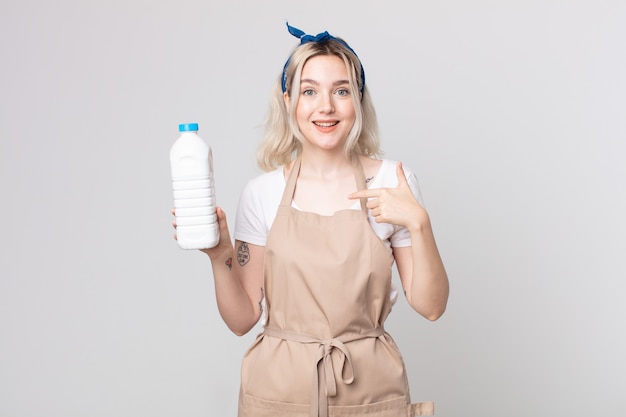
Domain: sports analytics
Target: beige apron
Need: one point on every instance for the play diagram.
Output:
(323, 351)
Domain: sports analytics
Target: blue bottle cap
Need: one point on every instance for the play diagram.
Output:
(187, 127)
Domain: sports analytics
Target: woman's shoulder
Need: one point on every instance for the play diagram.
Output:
(390, 164)
(267, 179)
(387, 172)
(264, 190)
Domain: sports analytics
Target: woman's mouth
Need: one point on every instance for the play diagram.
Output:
(326, 124)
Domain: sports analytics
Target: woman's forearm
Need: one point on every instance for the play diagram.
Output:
(234, 304)
(429, 288)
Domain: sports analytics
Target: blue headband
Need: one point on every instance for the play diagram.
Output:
(321, 38)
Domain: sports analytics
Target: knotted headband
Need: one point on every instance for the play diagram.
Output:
(320, 38)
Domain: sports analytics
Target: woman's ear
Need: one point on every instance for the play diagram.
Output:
(286, 99)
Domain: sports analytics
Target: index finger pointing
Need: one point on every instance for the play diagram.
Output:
(367, 193)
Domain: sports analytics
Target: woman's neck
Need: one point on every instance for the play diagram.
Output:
(325, 165)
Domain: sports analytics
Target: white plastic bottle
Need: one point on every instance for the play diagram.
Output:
(191, 161)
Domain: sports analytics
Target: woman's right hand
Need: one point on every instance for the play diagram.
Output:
(224, 246)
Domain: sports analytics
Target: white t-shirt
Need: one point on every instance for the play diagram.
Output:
(261, 197)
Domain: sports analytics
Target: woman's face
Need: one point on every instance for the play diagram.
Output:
(325, 110)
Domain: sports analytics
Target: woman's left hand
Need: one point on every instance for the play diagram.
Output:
(394, 205)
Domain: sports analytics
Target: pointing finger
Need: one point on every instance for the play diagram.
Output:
(366, 193)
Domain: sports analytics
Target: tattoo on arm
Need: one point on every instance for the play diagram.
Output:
(229, 263)
(261, 300)
(243, 254)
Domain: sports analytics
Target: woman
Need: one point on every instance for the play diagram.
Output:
(315, 240)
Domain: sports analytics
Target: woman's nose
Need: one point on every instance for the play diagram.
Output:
(326, 104)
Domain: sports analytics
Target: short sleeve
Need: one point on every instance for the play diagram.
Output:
(249, 221)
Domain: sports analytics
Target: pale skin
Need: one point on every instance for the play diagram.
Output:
(325, 115)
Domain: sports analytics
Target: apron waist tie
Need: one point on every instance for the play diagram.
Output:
(324, 384)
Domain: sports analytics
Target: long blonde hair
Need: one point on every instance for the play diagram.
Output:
(282, 140)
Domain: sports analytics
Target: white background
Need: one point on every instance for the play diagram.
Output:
(512, 113)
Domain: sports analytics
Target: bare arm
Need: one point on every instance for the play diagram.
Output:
(421, 269)
(238, 277)
(423, 275)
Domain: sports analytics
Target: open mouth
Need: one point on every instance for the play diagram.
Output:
(325, 124)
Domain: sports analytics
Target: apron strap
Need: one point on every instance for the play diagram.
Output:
(426, 408)
(290, 187)
(359, 175)
(324, 384)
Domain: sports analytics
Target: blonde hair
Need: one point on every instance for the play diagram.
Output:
(282, 140)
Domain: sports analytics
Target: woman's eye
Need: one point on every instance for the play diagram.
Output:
(343, 92)
(308, 92)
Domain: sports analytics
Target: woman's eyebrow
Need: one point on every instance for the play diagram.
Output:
(310, 81)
